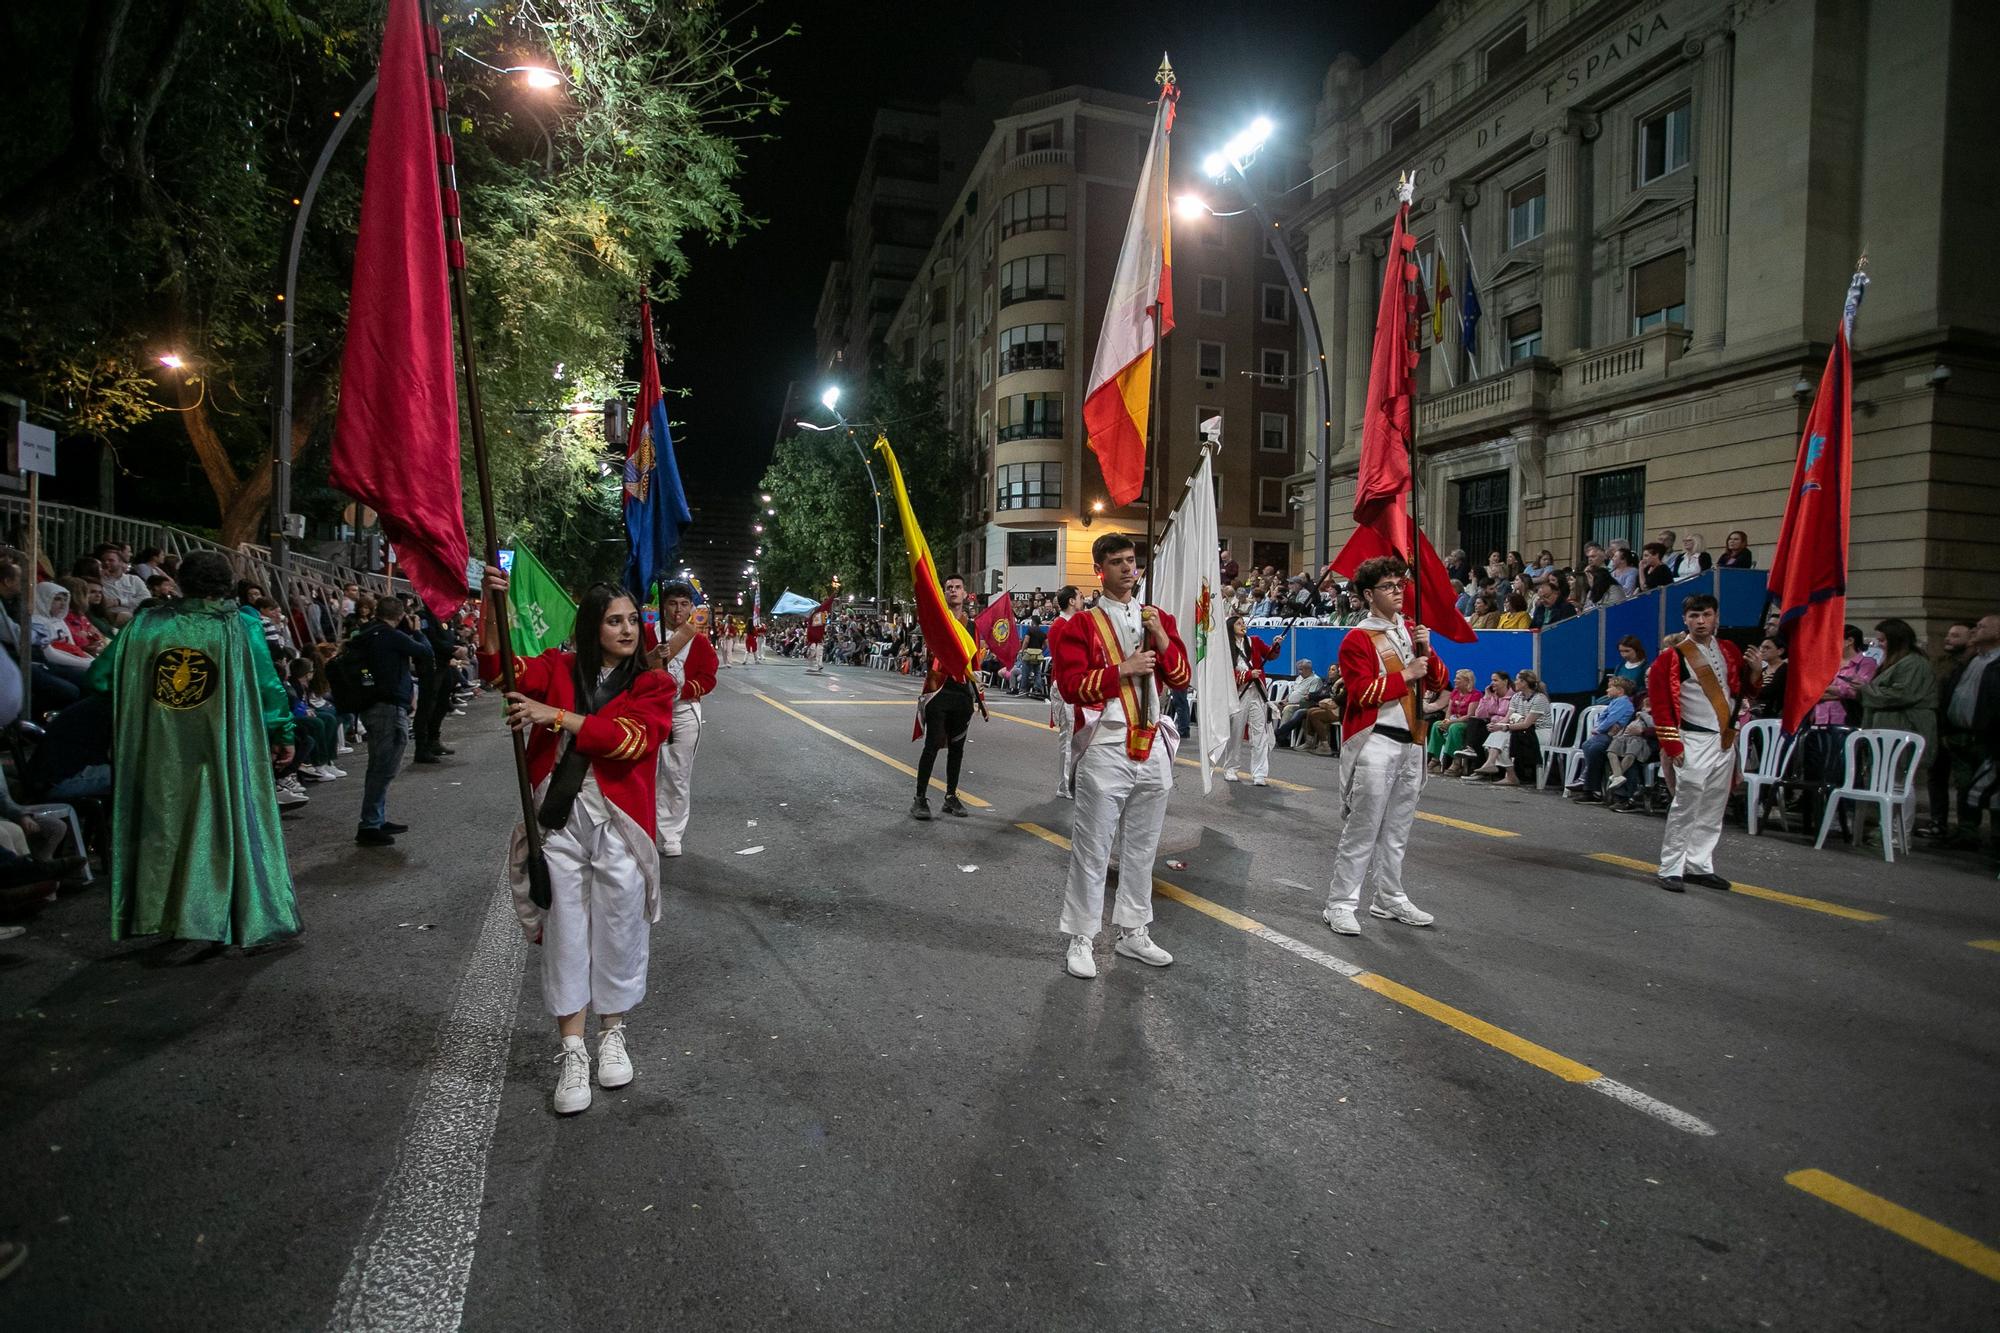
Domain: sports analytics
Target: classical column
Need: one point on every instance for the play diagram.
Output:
(1447, 362)
(1564, 245)
(1362, 297)
(1711, 197)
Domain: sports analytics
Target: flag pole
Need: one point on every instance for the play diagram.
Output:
(1406, 189)
(537, 867)
(1154, 435)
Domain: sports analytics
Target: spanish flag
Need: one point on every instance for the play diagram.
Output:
(947, 640)
(1119, 401)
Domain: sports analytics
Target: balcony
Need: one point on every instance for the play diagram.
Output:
(1621, 367)
(1042, 157)
(1486, 405)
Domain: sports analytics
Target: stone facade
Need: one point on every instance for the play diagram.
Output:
(1662, 201)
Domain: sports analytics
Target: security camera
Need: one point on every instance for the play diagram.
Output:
(1940, 376)
(1802, 389)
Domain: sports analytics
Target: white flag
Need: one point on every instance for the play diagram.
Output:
(1189, 578)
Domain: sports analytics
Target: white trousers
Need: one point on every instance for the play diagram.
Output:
(596, 940)
(1064, 719)
(815, 656)
(1701, 790)
(1381, 799)
(1254, 714)
(674, 786)
(1113, 790)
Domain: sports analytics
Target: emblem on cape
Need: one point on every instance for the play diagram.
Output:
(1002, 631)
(183, 678)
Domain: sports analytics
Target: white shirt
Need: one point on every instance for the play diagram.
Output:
(1695, 707)
(1125, 622)
(677, 668)
(125, 592)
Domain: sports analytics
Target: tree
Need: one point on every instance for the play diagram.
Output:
(150, 215)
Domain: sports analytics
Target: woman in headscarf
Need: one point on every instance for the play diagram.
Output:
(57, 647)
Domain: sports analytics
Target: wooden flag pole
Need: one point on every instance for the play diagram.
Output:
(539, 889)
(1406, 189)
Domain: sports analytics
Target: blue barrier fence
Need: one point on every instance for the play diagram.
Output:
(1571, 657)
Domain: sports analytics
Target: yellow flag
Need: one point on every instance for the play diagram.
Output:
(945, 636)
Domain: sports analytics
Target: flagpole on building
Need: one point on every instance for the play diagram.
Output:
(537, 867)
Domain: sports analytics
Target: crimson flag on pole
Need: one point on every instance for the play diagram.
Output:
(1380, 510)
(997, 630)
(395, 437)
(1808, 574)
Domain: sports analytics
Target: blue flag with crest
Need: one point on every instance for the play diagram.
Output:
(656, 508)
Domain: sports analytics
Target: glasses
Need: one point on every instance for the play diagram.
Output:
(1391, 585)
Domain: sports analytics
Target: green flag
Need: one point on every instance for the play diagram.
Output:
(543, 613)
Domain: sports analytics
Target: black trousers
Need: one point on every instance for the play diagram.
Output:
(947, 717)
(433, 703)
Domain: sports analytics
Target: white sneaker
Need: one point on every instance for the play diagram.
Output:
(670, 849)
(1341, 920)
(1260, 782)
(1136, 943)
(1080, 962)
(289, 796)
(573, 1077)
(1229, 775)
(1406, 912)
(614, 1066)
(343, 748)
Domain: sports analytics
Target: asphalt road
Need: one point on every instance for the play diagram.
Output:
(869, 1097)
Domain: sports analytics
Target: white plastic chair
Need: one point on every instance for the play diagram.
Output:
(1279, 691)
(1586, 726)
(1560, 716)
(1765, 767)
(1893, 758)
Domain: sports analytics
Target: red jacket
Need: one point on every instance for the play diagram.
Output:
(623, 741)
(1741, 678)
(1258, 653)
(1368, 687)
(699, 669)
(1083, 669)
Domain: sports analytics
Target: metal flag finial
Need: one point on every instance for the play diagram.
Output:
(1165, 76)
(1857, 287)
(1406, 187)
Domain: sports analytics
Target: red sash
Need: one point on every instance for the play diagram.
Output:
(1138, 735)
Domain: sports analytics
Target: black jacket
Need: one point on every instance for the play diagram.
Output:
(389, 651)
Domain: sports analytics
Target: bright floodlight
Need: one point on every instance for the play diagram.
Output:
(830, 397)
(1190, 206)
(1215, 164)
(171, 361)
(537, 77)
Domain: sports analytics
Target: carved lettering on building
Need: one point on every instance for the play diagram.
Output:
(1603, 59)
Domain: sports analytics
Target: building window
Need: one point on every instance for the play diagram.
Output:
(1527, 211)
(1404, 127)
(1211, 295)
(1031, 548)
(1037, 208)
(1208, 360)
(1275, 365)
(1029, 486)
(985, 369)
(1277, 304)
(1031, 416)
(1032, 278)
(985, 430)
(1663, 142)
(1271, 496)
(1274, 432)
(1659, 292)
(1524, 334)
(1482, 515)
(1031, 347)
(1613, 507)
(1506, 52)
(1038, 138)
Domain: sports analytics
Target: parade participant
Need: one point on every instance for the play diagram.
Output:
(1252, 702)
(598, 717)
(1694, 689)
(816, 638)
(1115, 663)
(688, 657)
(200, 716)
(751, 638)
(1384, 666)
(1062, 716)
(944, 712)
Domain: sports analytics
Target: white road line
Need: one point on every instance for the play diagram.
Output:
(1307, 952)
(1652, 1106)
(415, 1256)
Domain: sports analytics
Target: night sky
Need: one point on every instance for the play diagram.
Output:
(743, 326)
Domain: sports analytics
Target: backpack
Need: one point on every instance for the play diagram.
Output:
(352, 679)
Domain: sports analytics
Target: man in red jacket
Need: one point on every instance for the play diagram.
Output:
(1385, 665)
(689, 658)
(1694, 689)
(1114, 663)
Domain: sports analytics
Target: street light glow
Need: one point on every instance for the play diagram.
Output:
(1190, 206)
(1239, 150)
(1215, 164)
(830, 397)
(537, 77)
(172, 361)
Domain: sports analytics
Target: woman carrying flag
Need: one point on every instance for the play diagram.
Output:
(599, 718)
(1252, 704)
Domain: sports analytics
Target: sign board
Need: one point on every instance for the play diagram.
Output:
(295, 526)
(475, 571)
(34, 449)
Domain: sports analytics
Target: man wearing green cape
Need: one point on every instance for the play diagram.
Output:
(198, 717)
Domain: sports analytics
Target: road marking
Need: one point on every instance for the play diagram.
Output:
(1936, 1237)
(1752, 891)
(1991, 946)
(415, 1255)
(1467, 825)
(1275, 782)
(868, 750)
(1499, 1038)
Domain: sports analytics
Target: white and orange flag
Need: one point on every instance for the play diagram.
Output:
(1116, 408)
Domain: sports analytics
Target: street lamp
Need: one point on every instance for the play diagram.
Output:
(1234, 160)
(830, 400)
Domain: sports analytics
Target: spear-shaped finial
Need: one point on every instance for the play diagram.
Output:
(1165, 76)
(1857, 287)
(1406, 187)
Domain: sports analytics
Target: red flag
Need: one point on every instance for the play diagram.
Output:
(395, 438)
(1384, 479)
(998, 631)
(1808, 576)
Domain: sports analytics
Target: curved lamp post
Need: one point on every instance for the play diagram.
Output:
(829, 401)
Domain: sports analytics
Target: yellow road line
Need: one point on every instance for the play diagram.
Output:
(1936, 1237)
(868, 750)
(1467, 825)
(1752, 891)
(1991, 946)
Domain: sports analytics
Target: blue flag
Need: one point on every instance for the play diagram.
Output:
(1468, 316)
(656, 508)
